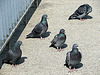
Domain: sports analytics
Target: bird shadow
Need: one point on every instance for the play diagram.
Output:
(64, 46)
(88, 17)
(77, 67)
(21, 60)
(47, 34)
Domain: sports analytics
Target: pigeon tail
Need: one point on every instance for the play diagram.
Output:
(51, 45)
(29, 35)
(4, 60)
(72, 16)
(69, 18)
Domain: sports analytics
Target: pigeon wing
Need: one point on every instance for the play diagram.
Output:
(37, 29)
(55, 39)
(68, 58)
(9, 56)
(81, 10)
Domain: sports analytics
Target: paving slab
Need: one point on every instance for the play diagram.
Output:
(42, 60)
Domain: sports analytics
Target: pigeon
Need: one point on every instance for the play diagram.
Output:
(14, 54)
(36, 2)
(40, 28)
(81, 12)
(58, 40)
(73, 58)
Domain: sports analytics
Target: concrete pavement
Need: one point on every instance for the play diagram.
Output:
(42, 60)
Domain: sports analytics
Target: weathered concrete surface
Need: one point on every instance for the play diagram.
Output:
(42, 60)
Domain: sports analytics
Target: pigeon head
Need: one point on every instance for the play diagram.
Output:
(62, 31)
(72, 17)
(19, 42)
(75, 46)
(43, 20)
(17, 45)
(45, 16)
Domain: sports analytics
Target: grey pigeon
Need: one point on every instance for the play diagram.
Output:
(58, 40)
(40, 28)
(81, 12)
(14, 54)
(73, 58)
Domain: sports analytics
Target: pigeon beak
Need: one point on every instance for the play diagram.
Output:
(22, 44)
(64, 32)
(47, 18)
(78, 47)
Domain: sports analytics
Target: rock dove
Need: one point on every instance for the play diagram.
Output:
(59, 40)
(81, 12)
(73, 58)
(40, 28)
(36, 2)
(14, 54)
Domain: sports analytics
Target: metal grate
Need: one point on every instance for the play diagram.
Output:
(11, 13)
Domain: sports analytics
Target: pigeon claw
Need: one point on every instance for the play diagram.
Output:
(83, 19)
(71, 70)
(60, 50)
(15, 65)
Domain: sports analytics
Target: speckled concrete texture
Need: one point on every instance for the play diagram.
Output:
(42, 60)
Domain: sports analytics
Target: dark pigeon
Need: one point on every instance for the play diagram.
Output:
(81, 12)
(73, 58)
(59, 40)
(14, 54)
(40, 28)
(36, 2)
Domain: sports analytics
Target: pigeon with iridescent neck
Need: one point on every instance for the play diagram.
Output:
(73, 58)
(40, 29)
(59, 40)
(81, 12)
(14, 54)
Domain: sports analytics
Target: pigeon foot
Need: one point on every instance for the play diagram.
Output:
(83, 19)
(60, 50)
(74, 69)
(71, 70)
(15, 65)
(42, 38)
